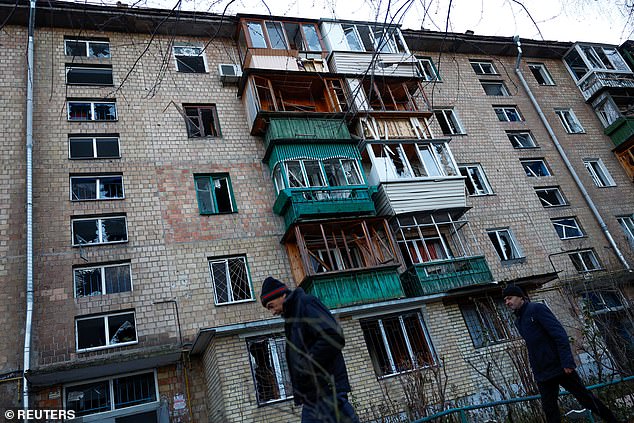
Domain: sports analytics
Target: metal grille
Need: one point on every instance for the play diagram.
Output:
(269, 367)
(230, 279)
(134, 390)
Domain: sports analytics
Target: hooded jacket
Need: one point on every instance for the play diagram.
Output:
(546, 339)
(314, 341)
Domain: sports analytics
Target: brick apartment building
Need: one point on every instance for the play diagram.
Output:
(404, 177)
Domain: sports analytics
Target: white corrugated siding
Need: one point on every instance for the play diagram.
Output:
(412, 196)
(386, 64)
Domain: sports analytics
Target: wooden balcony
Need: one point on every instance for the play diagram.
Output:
(445, 275)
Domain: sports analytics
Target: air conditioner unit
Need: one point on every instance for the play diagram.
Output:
(229, 72)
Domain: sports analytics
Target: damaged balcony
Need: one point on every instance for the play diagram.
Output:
(292, 95)
(596, 68)
(368, 48)
(288, 45)
(437, 249)
(392, 98)
(345, 262)
(318, 180)
(413, 176)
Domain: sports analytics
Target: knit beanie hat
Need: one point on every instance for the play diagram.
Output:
(272, 289)
(513, 291)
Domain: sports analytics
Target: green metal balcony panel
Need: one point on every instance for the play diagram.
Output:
(352, 288)
(323, 151)
(621, 130)
(446, 275)
(299, 203)
(306, 129)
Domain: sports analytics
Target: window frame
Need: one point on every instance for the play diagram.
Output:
(95, 147)
(499, 248)
(569, 120)
(529, 170)
(193, 46)
(189, 120)
(558, 194)
(593, 258)
(627, 225)
(97, 179)
(109, 77)
(483, 180)
(513, 138)
(500, 321)
(543, 72)
(99, 226)
(102, 277)
(430, 72)
(506, 112)
(106, 328)
(278, 362)
(504, 92)
(213, 177)
(88, 42)
(561, 222)
(93, 104)
(477, 67)
(599, 173)
(229, 287)
(454, 119)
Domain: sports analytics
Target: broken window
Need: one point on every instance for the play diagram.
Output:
(535, 168)
(189, 58)
(495, 88)
(627, 224)
(91, 110)
(585, 261)
(449, 122)
(82, 147)
(569, 121)
(102, 280)
(541, 74)
(231, 281)
(102, 230)
(508, 114)
(505, 244)
(88, 75)
(352, 37)
(105, 331)
(521, 139)
(427, 69)
(342, 172)
(201, 120)
(599, 173)
(214, 194)
(111, 394)
(476, 181)
(267, 355)
(398, 343)
(395, 96)
(550, 197)
(87, 48)
(489, 321)
(483, 67)
(277, 36)
(567, 228)
(105, 187)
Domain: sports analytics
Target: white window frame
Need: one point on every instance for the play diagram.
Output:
(515, 136)
(513, 244)
(92, 110)
(345, 28)
(627, 224)
(504, 92)
(542, 70)
(607, 111)
(99, 226)
(95, 150)
(483, 181)
(507, 112)
(530, 173)
(229, 282)
(451, 120)
(483, 67)
(427, 68)
(480, 314)
(618, 65)
(593, 259)
(192, 46)
(565, 223)
(599, 173)
(88, 42)
(97, 179)
(105, 317)
(557, 194)
(102, 269)
(115, 412)
(569, 121)
(307, 183)
(277, 357)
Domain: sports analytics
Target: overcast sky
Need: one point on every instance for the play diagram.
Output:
(603, 21)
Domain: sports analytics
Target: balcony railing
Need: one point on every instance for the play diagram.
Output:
(446, 275)
(355, 287)
(299, 203)
(594, 82)
(621, 130)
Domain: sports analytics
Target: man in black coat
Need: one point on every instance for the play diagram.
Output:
(314, 341)
(550, 356)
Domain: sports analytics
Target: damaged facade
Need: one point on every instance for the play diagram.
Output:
(403, 177)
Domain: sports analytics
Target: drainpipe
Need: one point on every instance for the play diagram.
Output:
(562, 153)
(29, 208)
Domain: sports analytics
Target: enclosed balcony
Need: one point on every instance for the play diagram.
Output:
(621, 131)
(286, 95)
(345, 262)
(373, 48)
(596, 68)
(413, 176)
(440, 253)
(288, 45)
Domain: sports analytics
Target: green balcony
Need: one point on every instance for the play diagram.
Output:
(355, 287)
(445, 275)
(621, 130)
(296, 204)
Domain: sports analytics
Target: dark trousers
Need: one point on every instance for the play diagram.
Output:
(549, 390)
(330, 409)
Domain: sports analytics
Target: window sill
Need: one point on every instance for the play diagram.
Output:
(404, 372)
(273, 402)
(105, 347)
(483, 195)
(94, 244)
(250, 300)
(218, 214)
(513, 261)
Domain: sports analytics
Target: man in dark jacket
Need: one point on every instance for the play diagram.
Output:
(550, 356)
(314, 341)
